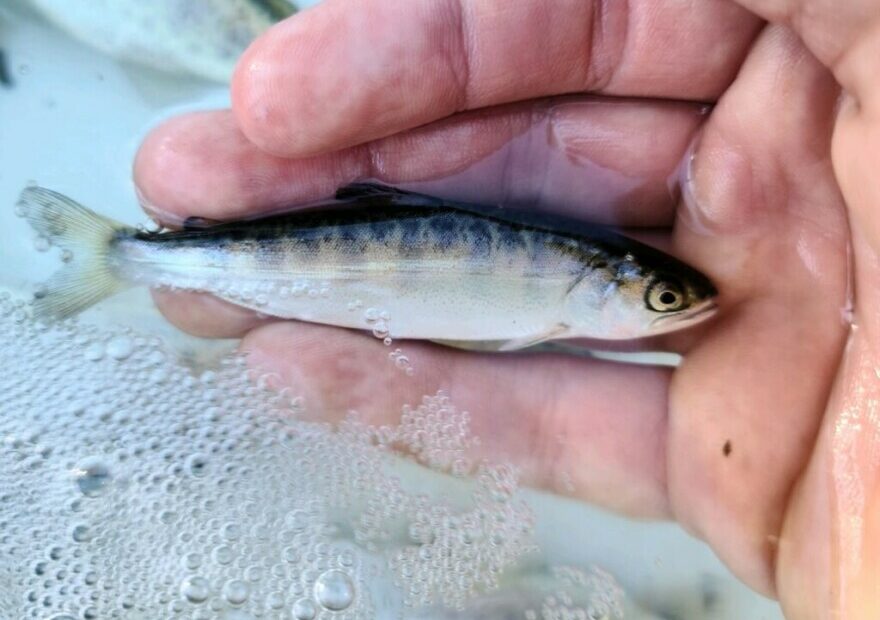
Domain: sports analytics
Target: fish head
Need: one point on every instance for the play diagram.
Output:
(675, 301)
(638, 297)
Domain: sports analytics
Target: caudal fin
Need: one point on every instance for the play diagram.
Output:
(85, 237)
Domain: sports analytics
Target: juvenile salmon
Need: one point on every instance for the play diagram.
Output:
(423, 267)
(197, 37)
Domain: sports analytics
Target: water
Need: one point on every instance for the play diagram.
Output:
(143, 474)
(168, 510)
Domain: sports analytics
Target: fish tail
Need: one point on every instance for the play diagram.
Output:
(86, 238)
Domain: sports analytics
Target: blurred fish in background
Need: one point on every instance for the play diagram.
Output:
(5, 76)
(203, 38)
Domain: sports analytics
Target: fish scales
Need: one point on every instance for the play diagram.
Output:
(407, 237)
(441, 270)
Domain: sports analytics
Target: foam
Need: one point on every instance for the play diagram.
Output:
(132, 487)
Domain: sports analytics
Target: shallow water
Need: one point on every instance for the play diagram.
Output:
(146, 478)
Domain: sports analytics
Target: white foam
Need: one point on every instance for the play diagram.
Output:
(133, 487)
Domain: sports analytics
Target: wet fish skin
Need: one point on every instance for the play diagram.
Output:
(441, 270)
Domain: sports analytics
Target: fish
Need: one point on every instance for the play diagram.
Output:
(202, 38)
(5, 75)
(396, 262)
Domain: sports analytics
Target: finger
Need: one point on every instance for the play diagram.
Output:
(835, 512)
(586, 428)
(765, 215)
(345, 73)
(608, 161)
(831, 30)
(828, 557)
(203, 315)
(832, 522)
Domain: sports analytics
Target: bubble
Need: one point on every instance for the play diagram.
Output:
(192, 561)
(222, 554)
(231, 531)
(236, 591)
(195, 589)
(304, 609)
(197, 464)
(334, 590)
(222, 495)
(236, 614)
(94, 352)
(42, 243)
(401, 361)
(81, 533)
(92, 476)
(291, 554)
(120, 348)
(275, 600)
(347, 558)
(381, 329)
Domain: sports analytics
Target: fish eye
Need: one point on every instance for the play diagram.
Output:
(665, 296)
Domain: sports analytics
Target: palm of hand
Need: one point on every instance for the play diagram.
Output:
(741, 443)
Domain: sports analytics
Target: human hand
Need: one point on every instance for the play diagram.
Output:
(762, 442)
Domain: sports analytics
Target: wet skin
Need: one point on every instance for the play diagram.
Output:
(762, 442)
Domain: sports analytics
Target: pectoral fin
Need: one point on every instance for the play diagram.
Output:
(529, 341)
(473, 345)
(507, 345)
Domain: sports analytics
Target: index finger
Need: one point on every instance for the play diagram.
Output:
(347, 72)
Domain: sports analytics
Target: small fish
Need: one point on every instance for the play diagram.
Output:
(5, 75)
(198, 37)
(418, 266)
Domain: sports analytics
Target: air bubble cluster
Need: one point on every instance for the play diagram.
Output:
(593, 595)
(132, 486)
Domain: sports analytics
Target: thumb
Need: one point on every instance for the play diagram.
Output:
(840, 490)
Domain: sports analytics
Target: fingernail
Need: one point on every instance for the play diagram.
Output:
(160, 216)
(717, 189)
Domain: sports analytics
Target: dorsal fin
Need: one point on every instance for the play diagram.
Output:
(385, 194)
(199, 223)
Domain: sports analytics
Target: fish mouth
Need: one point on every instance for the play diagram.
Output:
(685, 318)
